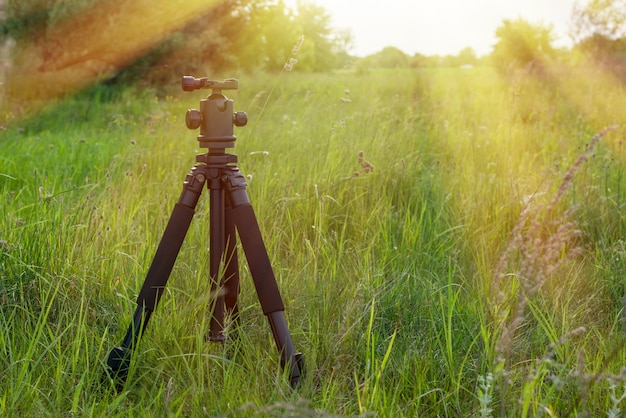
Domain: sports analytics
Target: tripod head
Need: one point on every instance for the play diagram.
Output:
(215, 117)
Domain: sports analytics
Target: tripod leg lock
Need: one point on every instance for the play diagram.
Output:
(235, 187)
(192, 187)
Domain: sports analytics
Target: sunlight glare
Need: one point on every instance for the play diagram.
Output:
(89, 45)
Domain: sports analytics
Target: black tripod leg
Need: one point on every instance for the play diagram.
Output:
(262, 274)
(267, 289)
(118, 361)
(226, 287)
(216, 245)
(231, 285)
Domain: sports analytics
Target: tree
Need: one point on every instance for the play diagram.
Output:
(64, 45)
(599, 30)
(467, 56)
(606, 18)
(321, 43)
(522, 45)
(388, 57)
(265, 35)
(72, 43)
(418, 60)
(205, 43)
(344, 40)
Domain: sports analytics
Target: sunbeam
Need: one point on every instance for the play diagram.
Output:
(91, 44)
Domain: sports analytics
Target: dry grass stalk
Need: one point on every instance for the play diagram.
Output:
(540, 245)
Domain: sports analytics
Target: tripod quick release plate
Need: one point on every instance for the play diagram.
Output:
(190, 83)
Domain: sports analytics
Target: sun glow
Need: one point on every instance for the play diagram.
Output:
(441, 27)
(93, 43)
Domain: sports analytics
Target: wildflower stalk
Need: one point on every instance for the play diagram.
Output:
(543, 247)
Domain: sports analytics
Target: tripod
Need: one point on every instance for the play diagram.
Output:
(230, 210)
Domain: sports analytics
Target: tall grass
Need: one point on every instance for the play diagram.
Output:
(430, 258)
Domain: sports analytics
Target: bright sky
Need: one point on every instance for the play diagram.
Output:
(432, 27)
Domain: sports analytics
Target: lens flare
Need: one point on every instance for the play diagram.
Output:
(91, 44)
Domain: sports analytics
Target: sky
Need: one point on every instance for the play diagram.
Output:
(440, 27)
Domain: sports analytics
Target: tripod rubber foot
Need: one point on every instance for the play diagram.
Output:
(297, 370)
(118, 364)
(218, 337)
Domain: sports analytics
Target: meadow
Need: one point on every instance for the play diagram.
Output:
(448, 242)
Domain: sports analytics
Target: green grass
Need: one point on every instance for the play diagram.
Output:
(443, 282)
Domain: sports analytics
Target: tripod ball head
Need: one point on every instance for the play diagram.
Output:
(215, 117)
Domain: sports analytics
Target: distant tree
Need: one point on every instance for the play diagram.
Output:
(521, 44)
(265, 33)
(418, 60)
(599, 30)
(78, 38)
(388, 57)
(205, 44)
(321, 43)
(467, 56)
(604, 18)
(23, 17)
(344, 40)
(71, 36)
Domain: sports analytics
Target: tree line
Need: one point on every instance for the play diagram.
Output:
(249, 35)
(267, 35)
(597, 30)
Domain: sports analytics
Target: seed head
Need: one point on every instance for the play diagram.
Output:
(290, 64)
(297, 46)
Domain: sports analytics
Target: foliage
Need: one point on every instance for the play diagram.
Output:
(605, 18)
(248, 34)
(521, 44)
(599, 29)
(389, 57)
(65, 44)
(23, 18)
(265, 32)
(467, 56)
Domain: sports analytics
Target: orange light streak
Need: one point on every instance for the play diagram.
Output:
(83, 48)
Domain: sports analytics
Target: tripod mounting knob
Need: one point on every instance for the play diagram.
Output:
(193, 118)
(240, 118)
